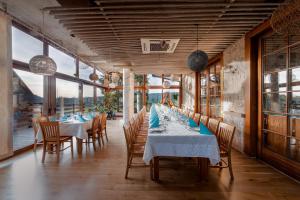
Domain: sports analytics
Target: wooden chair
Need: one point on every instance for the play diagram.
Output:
(133, 150)
(213, 125)
(93, 132)
(103, 125)
(204, 119)
(100, 132)
(36, 127)
(225, 138)
(51, 136)
(191, 115)
(196, 118)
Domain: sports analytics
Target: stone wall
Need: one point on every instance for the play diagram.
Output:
(188, 91)
(235, 75)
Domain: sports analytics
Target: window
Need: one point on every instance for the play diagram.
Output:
(100, 95)
(171, 96)
(154, 79)
(281, 95)
(153, 96)
(101, 77)
(27, 103)
(88, 97)
(85, 71)
(24, 46)
(67, 100)
(65, 64)
(173, 79)
(138, 100)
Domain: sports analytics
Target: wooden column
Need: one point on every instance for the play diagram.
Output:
(144, 91)
(6, 92)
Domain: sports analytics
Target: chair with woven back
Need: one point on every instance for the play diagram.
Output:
(133, 150)
(213, 125)
(51, 136)
(225, 138)
(103, 125)
(196, 118)
(93, 132)
(204, 119)
(36, 127)
(191, 114)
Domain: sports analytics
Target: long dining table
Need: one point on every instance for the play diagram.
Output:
(174, 138)
(72, 127)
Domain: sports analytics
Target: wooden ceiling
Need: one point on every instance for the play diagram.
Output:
(113, 28)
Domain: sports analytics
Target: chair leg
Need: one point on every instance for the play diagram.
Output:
(106, 135)
(94, 143)
(230, 167)
(57, 151)
(44, 151)
(102, 138)
(35, 144)
(99, 140)
(72, 151)
(127, 167)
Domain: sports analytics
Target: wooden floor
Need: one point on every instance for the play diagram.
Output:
(100, 175)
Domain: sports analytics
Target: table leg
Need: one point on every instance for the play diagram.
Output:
(79, 146)
(156, 168)
(203, 168)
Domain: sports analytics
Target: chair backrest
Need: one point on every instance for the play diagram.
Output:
(197, 118)
(191, 115)
(36, 123)
(213, 125)
(103, 120)
(225, 136)
(204, 119)
(50, 130)
(128, 136)
(95, 124)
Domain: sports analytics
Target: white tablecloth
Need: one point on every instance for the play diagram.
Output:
(178, 141)
(74, 128)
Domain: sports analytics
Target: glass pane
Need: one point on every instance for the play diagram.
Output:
(101, 77)
(275, 62)
(67, 100)
(24, 46)
(173, 79)
(88, 98)
(138, 100)
(154, 80)
(153, 96)
(65, 63)
(275, 102)
(294, 105)
(171, 95)
(294, 56)
(274, 43)
(85, 71)
(27, 103)
(275, 82)
(138, 80)
(295, 78)
(100, 95)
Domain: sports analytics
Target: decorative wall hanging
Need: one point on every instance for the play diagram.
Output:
(198, 60)
(286, 18)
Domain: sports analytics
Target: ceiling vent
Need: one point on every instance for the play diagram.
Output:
(158, 45)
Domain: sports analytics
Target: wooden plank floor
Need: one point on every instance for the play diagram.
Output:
(100, 175)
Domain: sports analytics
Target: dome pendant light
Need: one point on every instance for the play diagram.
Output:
(42, 64)
(197, 60)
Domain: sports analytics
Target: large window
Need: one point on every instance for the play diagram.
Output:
(100, 95)
(85, 71)
(88, 97)
(171, 95)
(153, 96)
(154, 79)
(67, 100)
(24, 46)
(27, 103)
(281, 95)
(66, 64)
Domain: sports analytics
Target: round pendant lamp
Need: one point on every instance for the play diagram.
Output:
(42, 65)
(166, 84)
(197, 60)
